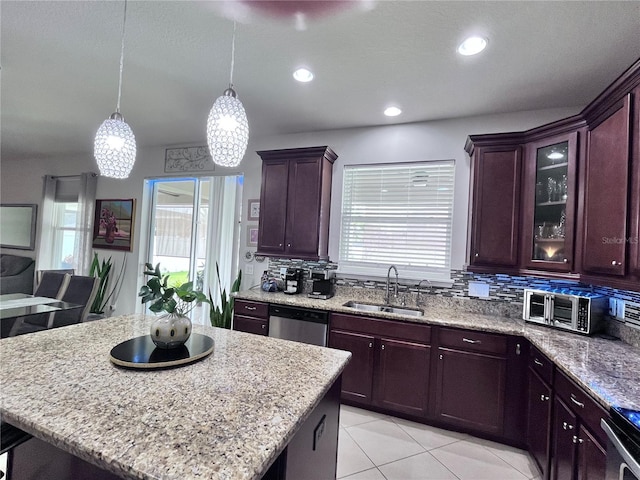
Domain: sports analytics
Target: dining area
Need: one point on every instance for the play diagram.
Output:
(60, 298)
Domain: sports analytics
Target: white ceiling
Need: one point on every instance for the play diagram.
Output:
(60, 60)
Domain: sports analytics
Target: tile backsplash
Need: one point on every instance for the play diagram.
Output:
(502, 288)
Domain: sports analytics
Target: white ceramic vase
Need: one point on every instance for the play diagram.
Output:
(170, 331)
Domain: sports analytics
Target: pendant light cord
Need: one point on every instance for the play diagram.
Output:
(124, 22)
(233, 54)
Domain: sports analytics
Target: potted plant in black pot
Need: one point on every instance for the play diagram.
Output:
(174, 328)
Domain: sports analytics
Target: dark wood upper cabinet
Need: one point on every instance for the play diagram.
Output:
(495, 213)
(633, 243)
(606, 191)
(549, 203)
(294, 203)
(575, 217)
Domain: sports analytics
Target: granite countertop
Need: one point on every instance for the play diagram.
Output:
(228, 416)
(608, 369)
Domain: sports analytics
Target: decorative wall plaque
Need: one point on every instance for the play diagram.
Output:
(188, 159)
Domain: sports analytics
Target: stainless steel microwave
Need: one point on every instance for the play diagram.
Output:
(576, 311)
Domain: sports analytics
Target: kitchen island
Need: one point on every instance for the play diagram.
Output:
(231, 415)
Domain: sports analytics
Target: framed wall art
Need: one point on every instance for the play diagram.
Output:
(253, 212)
(18, 226)
(113, 224)
(252, 237)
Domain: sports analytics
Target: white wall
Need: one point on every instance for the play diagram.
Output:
(21, 181)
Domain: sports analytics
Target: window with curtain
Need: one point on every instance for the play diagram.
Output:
(67, 216)
(398, 214)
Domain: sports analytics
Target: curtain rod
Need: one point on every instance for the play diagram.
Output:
(72, 176)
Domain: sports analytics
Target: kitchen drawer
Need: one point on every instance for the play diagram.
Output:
(382, 328)
(582, 404)
(250, 325)
(539, 363)
(252, 309)
(473, 341)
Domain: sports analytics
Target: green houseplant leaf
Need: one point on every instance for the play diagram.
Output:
(178, 300)
(221, 315)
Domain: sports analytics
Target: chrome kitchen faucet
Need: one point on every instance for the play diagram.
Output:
(395, 288)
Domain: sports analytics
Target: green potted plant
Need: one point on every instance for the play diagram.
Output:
(102, 271)
(174, 328)
(220, 315)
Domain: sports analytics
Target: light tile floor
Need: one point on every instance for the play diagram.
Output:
(372, 446)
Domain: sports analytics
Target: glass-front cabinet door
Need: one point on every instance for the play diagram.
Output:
(549, 206)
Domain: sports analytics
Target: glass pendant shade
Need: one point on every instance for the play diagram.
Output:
(227, 130)
(115, 147)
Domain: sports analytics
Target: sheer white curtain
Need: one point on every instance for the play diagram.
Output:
(45, 258)
(84, 222)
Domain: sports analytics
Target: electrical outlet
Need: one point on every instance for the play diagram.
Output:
(478, 289)
(613, 306)
(620, 310)
(248, 268)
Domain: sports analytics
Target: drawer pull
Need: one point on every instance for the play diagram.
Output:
(538, 362)
(580, 404)
(567, 426)
(468, 340)
(544, 397)
(246, 307)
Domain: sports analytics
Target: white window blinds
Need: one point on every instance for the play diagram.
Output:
(398, 214)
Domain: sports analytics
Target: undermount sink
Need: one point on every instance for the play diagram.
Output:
(369, 307)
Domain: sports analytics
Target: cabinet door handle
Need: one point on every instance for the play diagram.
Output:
(538, 362)
(468, 340)
(575, 439)
(567, 426)
(440, 357)
(279, 244)
(370, 344)
(580, 404)
(264, 326)
(249, 308)
(544, 397)
(288, 244)
(565, 260)
(517, 349)
(477, 254)
(383, 346)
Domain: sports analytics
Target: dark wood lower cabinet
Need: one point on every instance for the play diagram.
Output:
(357, 377)
(470, 390)
(403, 378)
(576, 454)
(592, 456)
(565, 430)
(539, 422)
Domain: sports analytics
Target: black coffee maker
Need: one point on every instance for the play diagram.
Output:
(322, 284)
(293, 281)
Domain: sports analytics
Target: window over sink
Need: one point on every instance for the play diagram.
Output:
(398, 214)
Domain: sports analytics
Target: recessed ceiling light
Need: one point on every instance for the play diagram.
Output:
(303, 75)
(472, 46)
(392, 111)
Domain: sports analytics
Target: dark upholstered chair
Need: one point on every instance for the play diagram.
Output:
(40, 273)
(81, 291)
(52, 285)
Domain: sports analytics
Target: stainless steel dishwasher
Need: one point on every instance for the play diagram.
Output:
(299, 324)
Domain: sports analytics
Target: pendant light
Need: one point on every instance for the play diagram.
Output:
(227, 125)
(115, 145)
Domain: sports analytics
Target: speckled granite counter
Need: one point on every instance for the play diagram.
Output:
(226, 417)
(608, 369)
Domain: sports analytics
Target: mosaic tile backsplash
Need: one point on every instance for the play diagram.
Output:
(502, 288)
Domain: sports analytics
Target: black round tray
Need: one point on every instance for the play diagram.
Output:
(141, 352)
